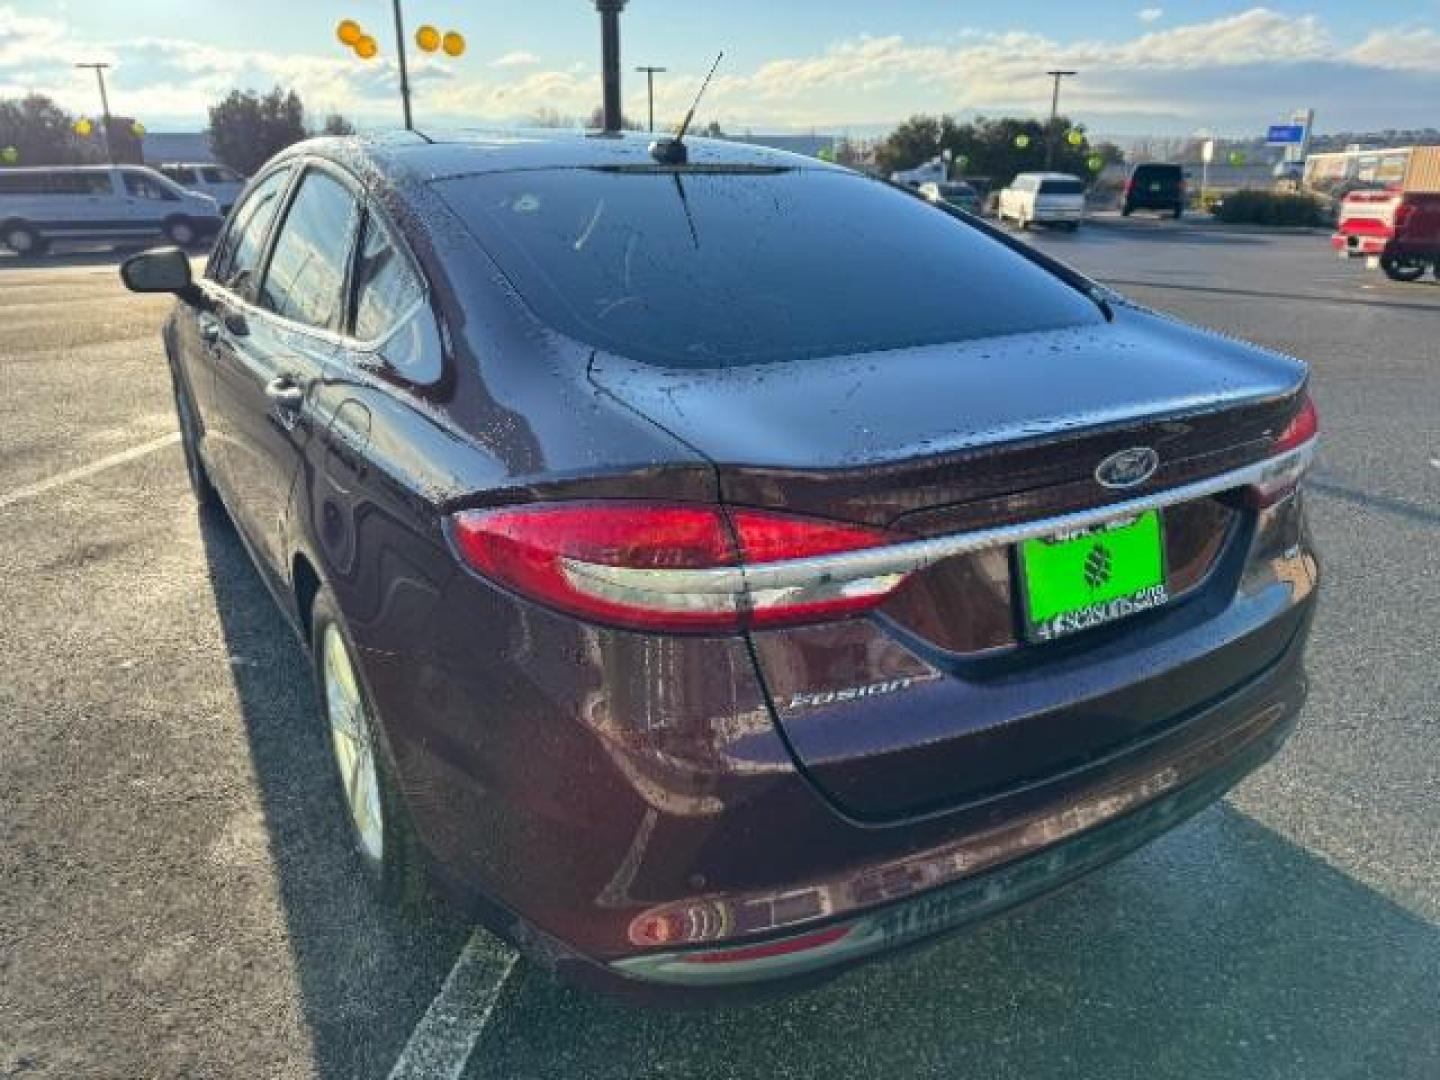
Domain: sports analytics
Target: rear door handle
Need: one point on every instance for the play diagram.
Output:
(286, 392)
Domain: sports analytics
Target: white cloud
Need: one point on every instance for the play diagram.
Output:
(1150, 14)
(516, 59)
(1417, 50)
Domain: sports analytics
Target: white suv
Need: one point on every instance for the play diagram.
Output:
(98, 202)
(1044, 198)
(220, 182)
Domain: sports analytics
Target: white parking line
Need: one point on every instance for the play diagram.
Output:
(441, 1043)
(29, 491)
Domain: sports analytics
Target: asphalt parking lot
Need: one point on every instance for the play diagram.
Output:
(176, 897)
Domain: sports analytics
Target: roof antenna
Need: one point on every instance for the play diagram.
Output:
(673, 151)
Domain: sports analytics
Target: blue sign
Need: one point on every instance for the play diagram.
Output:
(1285, 135)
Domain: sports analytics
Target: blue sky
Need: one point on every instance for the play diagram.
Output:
(1148, 67)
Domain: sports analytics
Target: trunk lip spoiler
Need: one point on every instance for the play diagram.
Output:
(909, 556)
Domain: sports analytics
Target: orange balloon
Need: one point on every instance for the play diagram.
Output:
(454, 44)
(366, 48)
(349, 32)
(428, 38)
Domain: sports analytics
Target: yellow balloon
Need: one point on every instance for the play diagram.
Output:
(366, 48)
(1022, 141)
(83, 127)
(428, 38)
(454, 44)
(137, 129)
(349, 32)
(9, 155)
(1076, 138)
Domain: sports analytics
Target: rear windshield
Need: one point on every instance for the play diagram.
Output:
(1164, 175)
(1062, 187)
(713, 269)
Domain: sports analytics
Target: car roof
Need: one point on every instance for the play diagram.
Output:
(1051, 175)
(440, 155)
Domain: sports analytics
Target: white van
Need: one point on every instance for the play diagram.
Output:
(98, 202)
(1044, 198)
(220, 182)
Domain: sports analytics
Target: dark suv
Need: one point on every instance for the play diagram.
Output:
(1154, 186)
(731, 568)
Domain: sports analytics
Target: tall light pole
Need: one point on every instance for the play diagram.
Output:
(99, 70)
(650, 73)
(610, 60)
(1054, 115)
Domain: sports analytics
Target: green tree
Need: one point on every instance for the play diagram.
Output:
(42, 133)
(247, 130)
(994, 148)
(336, 124)
(126, 147)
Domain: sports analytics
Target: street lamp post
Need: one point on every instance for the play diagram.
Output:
(610, 60)
(650, 73)
(1054, 115)
(99, 70)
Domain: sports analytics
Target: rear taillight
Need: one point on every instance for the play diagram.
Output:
(667, 567)
(1298, 434)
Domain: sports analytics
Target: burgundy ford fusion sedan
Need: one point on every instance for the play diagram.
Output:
(724, 570)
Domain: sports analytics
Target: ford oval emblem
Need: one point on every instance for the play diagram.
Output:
(1128, 469)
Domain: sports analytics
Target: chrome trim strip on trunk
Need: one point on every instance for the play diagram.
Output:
(907, 557)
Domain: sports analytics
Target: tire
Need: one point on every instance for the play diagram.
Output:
(367, 795)
(1126, 211)
(24, 240)
(181, 231)
(1406, 270)
(206, 497)
(1179, 212)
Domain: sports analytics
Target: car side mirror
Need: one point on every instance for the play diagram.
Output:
(159, 271)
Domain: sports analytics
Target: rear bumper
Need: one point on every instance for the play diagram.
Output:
(997, 870)
(1357, 246)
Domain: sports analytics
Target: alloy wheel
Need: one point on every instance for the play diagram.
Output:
(353, 743)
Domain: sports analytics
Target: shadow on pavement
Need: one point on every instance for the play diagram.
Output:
(1221, 951)
(365, 973)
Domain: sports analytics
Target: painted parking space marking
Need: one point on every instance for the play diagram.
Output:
(40, 487)
(441, 1044)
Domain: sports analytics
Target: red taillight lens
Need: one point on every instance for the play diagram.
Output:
(674, 568)
(1302, 430)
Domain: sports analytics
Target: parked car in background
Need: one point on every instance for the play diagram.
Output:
(717, 595)
(42, 204)
(220, 182)
(955, 193)
(1155, 186)
(1397, 231)
(1044, 198)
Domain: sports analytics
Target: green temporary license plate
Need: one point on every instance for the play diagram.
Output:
(1089, 577)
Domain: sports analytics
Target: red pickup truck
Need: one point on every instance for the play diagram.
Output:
(1399, 231)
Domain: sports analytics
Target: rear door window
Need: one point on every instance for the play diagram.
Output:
(306, 277)
(710, 268)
